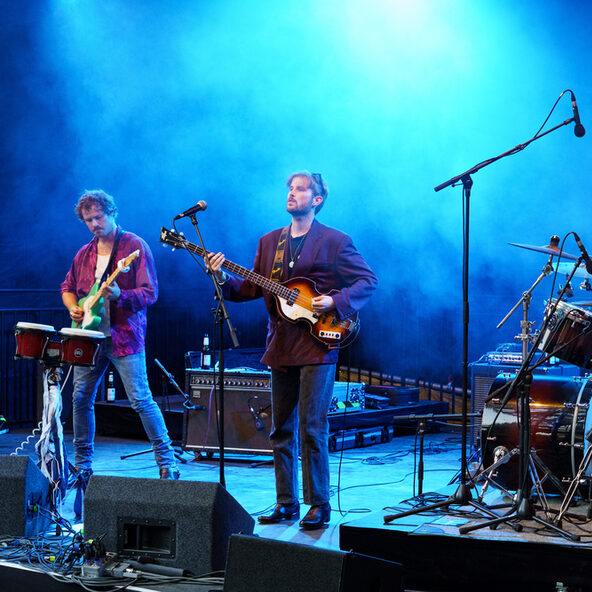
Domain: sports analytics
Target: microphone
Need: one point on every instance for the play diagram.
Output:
(198, 207)
(259, 425)
(579, 130)
(585, 255)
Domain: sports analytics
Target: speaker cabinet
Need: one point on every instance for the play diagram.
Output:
(24, 490)
(180, 524)
(266, 565)
(247, 412)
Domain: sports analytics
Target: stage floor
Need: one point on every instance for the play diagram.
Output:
(367, 484)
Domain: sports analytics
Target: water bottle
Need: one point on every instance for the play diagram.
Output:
(206, 356)
(110, 387)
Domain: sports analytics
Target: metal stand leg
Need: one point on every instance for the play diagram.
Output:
(571, 491)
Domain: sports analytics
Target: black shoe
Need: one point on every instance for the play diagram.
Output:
(169, 473)
(282, 512)
(316, 517)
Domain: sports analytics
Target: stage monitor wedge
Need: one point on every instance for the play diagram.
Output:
(265, 565)
(180, 524)
(25, 491)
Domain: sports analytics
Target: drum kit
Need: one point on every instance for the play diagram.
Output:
(559, 413)
(71, 346)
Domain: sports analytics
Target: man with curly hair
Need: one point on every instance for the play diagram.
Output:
(123, 324)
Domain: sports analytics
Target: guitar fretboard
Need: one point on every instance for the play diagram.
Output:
(273, 287)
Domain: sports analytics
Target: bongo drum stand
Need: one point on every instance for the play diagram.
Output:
(37, 342)
(50, 447)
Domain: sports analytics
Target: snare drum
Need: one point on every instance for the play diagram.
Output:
(32, 340)
(570, 326)
(80, 346)
(559, 421)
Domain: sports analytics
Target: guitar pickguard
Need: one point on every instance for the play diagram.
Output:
(295, 312)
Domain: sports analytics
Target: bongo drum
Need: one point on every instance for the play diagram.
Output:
(80, 346)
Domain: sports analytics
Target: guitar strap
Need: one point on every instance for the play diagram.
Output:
(278, 262)
(111, 259)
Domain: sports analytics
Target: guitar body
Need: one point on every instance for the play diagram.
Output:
(93, 304)
(326, 327)
(93, 313)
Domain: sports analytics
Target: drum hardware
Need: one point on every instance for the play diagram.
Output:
(462, 495)
(573, 486)
(567, 290)
(576, 405)
(501, 455)
(529, 461)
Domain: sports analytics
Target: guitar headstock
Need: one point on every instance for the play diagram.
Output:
(131, 257)
(174, 239)
(123, 264)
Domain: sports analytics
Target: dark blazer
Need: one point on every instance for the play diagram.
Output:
(328, 258)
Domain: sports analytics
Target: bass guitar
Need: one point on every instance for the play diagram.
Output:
(92, 303)
(294, 298)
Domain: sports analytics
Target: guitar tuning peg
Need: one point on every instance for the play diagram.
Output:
(182, 234)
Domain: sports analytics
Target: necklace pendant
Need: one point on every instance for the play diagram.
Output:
(291, 264)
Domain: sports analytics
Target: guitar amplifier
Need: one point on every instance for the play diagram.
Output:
(247, 411)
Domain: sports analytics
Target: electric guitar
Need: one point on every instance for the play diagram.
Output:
(92, 303)
(294, 298)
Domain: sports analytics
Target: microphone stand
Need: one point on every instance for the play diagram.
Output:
(463, 496)
(220, 315)
(187, 404)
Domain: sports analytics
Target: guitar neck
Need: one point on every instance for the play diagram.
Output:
(259, 280)
(114, 275)
(108, 281)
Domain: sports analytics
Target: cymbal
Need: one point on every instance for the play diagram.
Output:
(549, 249)
(567, 267)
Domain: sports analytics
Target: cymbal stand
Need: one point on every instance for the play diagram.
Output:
(525, 325)
(522, 507)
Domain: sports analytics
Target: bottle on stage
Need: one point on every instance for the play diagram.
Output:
(110, 387)
(206, 356)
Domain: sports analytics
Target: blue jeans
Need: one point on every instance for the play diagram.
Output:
(132, 370)
(301, 396)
